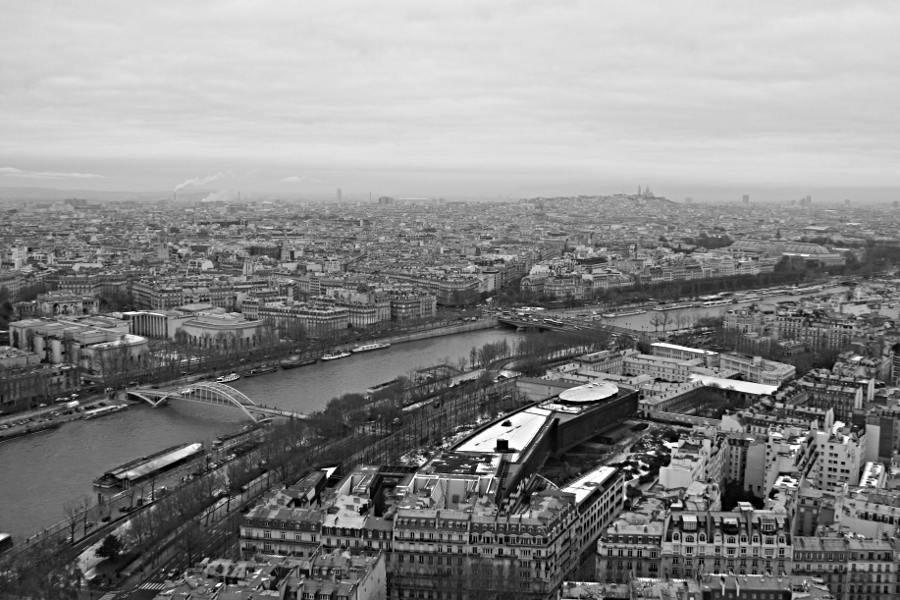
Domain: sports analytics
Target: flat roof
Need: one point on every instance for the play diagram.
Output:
(683, 348)
(584, 485)
(161, 462)
(518, 429)
(590, 392)
(745, 387)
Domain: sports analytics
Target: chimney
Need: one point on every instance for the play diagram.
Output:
(502, 445)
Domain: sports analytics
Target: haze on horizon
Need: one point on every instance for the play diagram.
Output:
(463, 98)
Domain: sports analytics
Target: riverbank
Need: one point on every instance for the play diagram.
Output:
(50, 417)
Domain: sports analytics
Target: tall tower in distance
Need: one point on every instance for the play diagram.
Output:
(745, 199)
(338, 195)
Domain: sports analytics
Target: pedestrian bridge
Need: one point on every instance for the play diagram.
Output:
(215, 394)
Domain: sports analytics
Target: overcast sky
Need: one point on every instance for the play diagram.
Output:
(450, 98)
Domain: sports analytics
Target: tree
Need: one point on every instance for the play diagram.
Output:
(72, 509)
(110, 548)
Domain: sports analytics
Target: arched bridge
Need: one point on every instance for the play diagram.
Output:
(213, 393)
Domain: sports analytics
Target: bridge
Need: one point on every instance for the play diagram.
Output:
(215, 394)
(570, 326)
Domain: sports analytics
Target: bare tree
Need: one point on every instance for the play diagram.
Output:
(72, 510)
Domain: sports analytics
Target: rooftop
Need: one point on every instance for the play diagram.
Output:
(584, 485)
(518, 430)
(591, 392)
(744, 387)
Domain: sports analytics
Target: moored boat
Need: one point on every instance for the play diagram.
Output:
(335, 355)
(372, 346)
(228, 378)
(624, 313)
(260, 371)
(295, 361)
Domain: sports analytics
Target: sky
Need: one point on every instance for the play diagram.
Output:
(490, 99)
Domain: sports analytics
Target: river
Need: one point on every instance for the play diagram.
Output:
(39, 473)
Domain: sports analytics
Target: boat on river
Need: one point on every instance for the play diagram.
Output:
(676, 306)
(149, 466)
(228, 378)
(722, 302)
(294, 361)
(260, 371)
(370, 347)
(624, 313)
(335, 355)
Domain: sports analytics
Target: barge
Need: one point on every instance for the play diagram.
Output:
(148, 467)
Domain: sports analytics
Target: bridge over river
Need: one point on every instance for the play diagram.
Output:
(557, 323)
(212, 394)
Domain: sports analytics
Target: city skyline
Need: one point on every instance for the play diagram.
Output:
(462, 100)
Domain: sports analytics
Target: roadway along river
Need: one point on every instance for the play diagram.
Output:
(39, 473)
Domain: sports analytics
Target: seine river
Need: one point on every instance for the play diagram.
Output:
(39, 473)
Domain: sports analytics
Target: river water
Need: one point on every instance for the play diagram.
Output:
(39, 473)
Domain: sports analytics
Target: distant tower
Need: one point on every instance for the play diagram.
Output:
(896, 203)
(639, 191)
(846, 201)
(746, 199)
(339, 194)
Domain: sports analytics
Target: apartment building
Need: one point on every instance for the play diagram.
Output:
(872, 512)
(631, 546)
(695, 459)
(742, 542)
(853, 568)
(839, 457)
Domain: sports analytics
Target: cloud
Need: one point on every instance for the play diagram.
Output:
(800, 92)
(197, 181)
(300, 179)
(14, 172)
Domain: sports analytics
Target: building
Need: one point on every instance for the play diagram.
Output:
(671, 543)
(24, 388)
(708, 357)
(631, 546)
(599, 498)
(728, 586)
(839, 457)
(223, 331)
(323, 576)
(660, 367)
(758, 369)
(743, 542)
(11, 358)
(96, 343)
(63, 303)
(851, 567)
(874, 513)
(694, 460)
